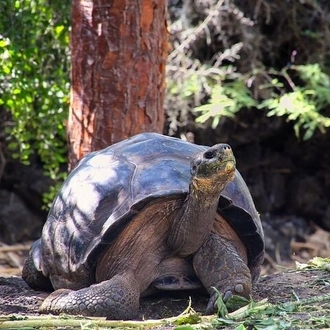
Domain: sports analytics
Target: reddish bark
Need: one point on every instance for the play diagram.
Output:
(119, 51)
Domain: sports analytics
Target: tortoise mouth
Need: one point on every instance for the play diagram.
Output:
(214, 179)
(230, 165)
(224, 170)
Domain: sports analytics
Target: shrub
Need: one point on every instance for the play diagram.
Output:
(34, 87)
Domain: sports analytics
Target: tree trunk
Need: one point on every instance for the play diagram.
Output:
(119, 51)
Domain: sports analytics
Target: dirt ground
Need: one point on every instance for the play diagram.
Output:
(17, 298)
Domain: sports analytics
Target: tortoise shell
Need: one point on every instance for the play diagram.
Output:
(108, 187)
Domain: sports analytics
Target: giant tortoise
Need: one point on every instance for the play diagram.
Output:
(149, 213)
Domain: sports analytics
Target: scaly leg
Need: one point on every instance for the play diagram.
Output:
(218, 265)
(117, 298)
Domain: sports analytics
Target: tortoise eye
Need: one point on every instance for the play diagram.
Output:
(209, 154)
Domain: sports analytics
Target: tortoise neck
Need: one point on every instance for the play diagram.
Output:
(195, 220)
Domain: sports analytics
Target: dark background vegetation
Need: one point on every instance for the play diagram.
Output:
(254, 74)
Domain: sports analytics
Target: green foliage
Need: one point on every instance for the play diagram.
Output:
(304, 104)
(316, 263)
(296, 314)
(34, 61)
(226, 100)
(222, 310)
(191, 87)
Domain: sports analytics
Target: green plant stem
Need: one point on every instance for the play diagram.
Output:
(48, 321)
(247, 310)
(52, 322)
(302, 302)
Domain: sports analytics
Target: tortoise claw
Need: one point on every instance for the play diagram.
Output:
(211, 305)
(228, 294)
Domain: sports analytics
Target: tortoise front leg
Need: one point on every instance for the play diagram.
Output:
(117, 298)
(218, 265)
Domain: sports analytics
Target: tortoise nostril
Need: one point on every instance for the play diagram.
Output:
(226, 149)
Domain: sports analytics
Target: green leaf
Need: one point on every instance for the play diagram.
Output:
(315, 263)
(59, 29)
(235, 302)
(3, 43)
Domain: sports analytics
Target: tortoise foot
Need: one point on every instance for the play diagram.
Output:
(220, 267)
(116, 299)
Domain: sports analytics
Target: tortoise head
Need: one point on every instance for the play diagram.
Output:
(213, 168)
